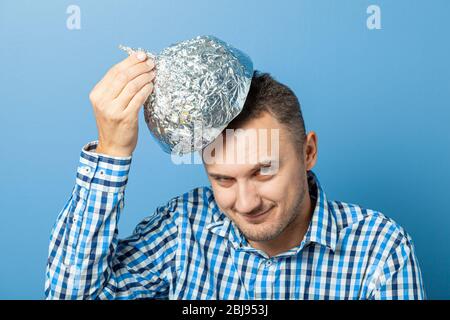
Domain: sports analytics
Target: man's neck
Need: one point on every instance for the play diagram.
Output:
(292, 236)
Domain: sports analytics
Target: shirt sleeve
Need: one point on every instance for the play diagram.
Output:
(400, 276)
(86, 259)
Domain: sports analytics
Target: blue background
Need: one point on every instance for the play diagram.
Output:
(378, 100)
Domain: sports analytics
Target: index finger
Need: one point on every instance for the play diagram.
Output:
(129, 61)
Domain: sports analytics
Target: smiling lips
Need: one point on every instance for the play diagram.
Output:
(256, 217)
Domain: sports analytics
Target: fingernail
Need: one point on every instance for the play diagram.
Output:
(141, 56)
(150, 63)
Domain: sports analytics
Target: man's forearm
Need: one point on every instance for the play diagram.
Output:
(84, 236)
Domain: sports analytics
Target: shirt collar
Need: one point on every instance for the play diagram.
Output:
(322, 227)
(221, 225)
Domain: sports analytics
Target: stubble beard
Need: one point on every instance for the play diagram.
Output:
(269, 231)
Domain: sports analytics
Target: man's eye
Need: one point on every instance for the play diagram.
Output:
(224, 182)
(264, 173)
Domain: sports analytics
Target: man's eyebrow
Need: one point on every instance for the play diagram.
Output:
(264, 163)
(219, 176)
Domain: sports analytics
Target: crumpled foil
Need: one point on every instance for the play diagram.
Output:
(200, 86)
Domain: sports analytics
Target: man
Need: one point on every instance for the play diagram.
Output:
(255, 233)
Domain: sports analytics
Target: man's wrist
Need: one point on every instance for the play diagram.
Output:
(101, 171)
(95, 148)
(111, 152)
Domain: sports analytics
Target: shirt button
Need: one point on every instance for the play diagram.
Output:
(87, 169)
(268, 263)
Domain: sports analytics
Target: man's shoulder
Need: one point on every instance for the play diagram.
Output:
(352, 218)
(192, 207)
(194, 199)
(194, 204)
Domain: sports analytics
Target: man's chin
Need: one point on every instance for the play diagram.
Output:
(259, 232)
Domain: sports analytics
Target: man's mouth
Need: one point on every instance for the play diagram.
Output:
(258, 217)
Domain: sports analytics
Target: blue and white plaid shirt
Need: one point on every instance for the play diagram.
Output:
(189, 249)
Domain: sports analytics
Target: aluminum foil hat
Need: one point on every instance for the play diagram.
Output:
(200, 86)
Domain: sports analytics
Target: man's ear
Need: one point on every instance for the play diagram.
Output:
(310, 150)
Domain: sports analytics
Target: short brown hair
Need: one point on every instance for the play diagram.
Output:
(268, 95)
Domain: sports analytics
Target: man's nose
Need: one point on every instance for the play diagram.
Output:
(247, 199)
